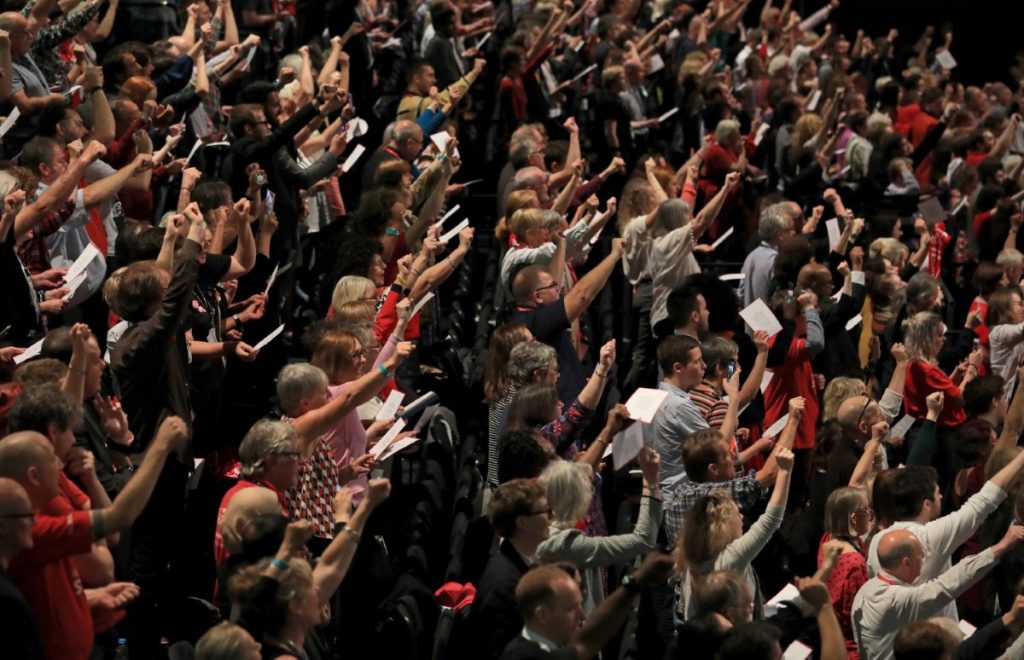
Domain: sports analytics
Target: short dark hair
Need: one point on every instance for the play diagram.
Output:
(921, 640)
(981, 392)
(57, 344)
(415, 67)
(520, 456)
(909, 489)
(681, 303)
(512, 499)
(42, 405)
(755, 640)
(37, 151)
(675, 348)
(210, 194)
(257, 91)
(971, 441)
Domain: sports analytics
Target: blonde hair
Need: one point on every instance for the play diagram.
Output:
(569, 490)
(919, 333)
(516, 200)
(840, 505)
(225, 641)
(706, 532)
(351, 288)
(839, 390)
(611, 75)
(355, 311)
(637, 199)
(888, 248)
(804, 129)
(524, 220)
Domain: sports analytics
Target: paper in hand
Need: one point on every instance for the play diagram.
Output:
(73, 284)
(854, 322)
(797, 651)
(626, 444)
(81, 264)
(356, 127)
(834, 233)
(30, 352)
(668, 114)
(945, 60)
(721, 239)
(9, 122)
(765, 379)
(357, 151)
(269, 338)
(813, 102)
(731, 277)
(447, 215)
(775, 429)
(453, 232)
(419, 305)
(655, 64)
(398, 446)
(582, 73)
(270, 280)
(644, 403)
(761, 131)
(902, 427)
(441, 140)
(931, 210)
(390, 407)
(759, 317)
(383, 443)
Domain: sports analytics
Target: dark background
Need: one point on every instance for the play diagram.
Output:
(986, 33)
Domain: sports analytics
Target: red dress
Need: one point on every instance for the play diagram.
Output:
(793, 378)
(849, 575)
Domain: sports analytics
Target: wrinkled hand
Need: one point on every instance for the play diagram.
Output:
(607, 354)
(784, 458)
(377, 490)
(296, 535)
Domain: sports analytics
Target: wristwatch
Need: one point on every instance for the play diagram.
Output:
(630, 584)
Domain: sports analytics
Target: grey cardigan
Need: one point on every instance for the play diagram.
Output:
(591, 553)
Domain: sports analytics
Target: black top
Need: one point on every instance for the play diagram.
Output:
(521, 648)
(494, 618)
(18, 628)
(550, 324)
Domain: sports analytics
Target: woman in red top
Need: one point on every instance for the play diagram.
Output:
(923, 335)
(848, 518)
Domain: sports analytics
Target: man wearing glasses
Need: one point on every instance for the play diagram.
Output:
(541, 307)
(18, 627)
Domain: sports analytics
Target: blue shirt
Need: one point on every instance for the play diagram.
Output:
(677, 418)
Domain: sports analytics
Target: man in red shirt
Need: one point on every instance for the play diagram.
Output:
(45, 573)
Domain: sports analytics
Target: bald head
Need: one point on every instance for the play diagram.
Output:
(895, 547)
(13, 498)
(407, 138)
(526, 281)
(17, 27)
(850, 412)
(21, 451)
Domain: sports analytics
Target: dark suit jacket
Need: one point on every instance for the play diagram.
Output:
(495, 618)
(442, 56)
(521, 648)
(18, 628)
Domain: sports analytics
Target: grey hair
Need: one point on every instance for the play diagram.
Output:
(298, 381)
(266, 437)
(1010, 257)
(673, 214)
(774, 218)
(920, 287)
(569, 489)
(519, 152)
(526, 178)
(527, 357)
(389, 132)
(717, 351)
(725, 129)
(552, 219)
(405, 130)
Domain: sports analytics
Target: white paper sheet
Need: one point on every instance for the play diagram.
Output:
(441, 139)
(813, 102)
(423, 301)
(82, 262)
(854, 322)
(900, 428)
(788, 593)
(797, 651)
(731, 277)
(9, 122)
(30, 352)
(271, 279)
(269, 338)
(396, 447)
(945, 59)
(582, 73)
(390, 407)
(721, 239)
(644, 403)
(668, 114)
(626, 444)
(759, 317)
(765, 379)
(383, 443)
(447, 215)
(966, 628)
(775, 429)
(428, 414)
(834, 233)
(480, 44)
(73, 284)
(357, 151)
(454, 231)
(356, 127)
(655, 64)
(762, 130)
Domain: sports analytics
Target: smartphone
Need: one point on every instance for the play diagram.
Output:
(789, 296)
(270, 202)
(730, 369)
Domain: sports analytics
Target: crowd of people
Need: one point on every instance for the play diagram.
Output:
(475, 329)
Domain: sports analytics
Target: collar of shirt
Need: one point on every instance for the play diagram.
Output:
(540, 640)
(890, 580)
(672, 389)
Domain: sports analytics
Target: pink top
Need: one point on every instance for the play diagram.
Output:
(347, 440)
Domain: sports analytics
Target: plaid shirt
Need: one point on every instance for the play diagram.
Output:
(33, 253)
(745, 492)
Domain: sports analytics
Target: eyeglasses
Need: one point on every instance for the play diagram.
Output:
(862, 411)
(553, 285)
(550, 513)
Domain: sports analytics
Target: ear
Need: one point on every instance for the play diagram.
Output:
(677, 367)
(32, 475)
(52, 430)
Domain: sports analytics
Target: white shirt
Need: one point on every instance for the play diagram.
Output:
(941, 537)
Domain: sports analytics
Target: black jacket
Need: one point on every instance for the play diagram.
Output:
(495, 619)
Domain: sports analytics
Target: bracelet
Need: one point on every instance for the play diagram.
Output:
(601, 374)
(442, 158)
(391, 231)
(351, 532)
(653, 487)
(383, 370)
(279, 564)
(237, 319)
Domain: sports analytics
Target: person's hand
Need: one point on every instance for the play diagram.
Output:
(478, 65)
(113, 419)
(571, 126)
(606, 357)
(1014, 535)
(255, 309)
(243, 351)
(376, 430)
(807, 300)
(844, 269)
(761, 445)
(8, 353)
(338, 144)
(54, 305)
(206, 32)
(973, 319)
(404, 310)
(94, 151)
(655, 570)
(189, 176)
(830, 552)
(48, 279)
(731, 385)
(796, 407)
(618, 247)
(650, 464)
(402, 351)
(113, 596)
(81, 463)
(466, 239)
(976, 357)
(857, 258)
(879, 430)
(831, 196)
(80, 335)
(617, 417)
(650, 166)
(363, 464)
(1014, 619)
(899, 353)
(377, 490)
(142, 163)
(171, 433)
(240, 211)
(92, 78)
(296, 535)
(784, 458)
(814, 592)
(935, 402)
(13, 203)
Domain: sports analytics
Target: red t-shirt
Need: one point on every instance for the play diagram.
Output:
(923, 379)
(52, 586)
(219, 553)
(793, 378)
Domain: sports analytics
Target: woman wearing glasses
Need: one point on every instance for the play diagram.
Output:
(848, 519)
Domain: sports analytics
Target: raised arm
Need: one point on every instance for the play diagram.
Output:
(588, 286)
(766, 475)
(1014, 421)
(752, 383)
(56, 194)
(710, 211)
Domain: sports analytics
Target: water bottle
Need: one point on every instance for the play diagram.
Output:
(121, 652)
